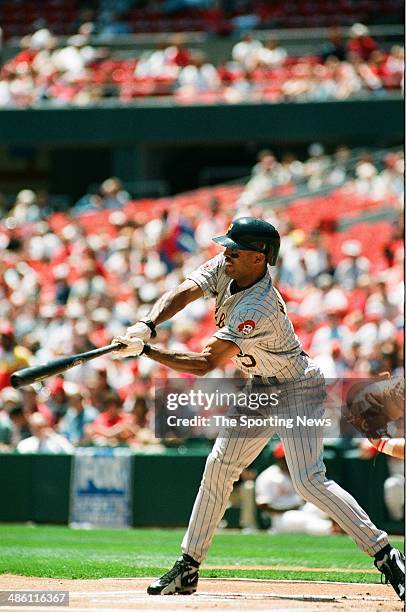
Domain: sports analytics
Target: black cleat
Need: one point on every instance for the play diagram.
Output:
(182, 579)
(392, 566)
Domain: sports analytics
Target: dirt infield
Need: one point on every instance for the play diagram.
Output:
(110, 594)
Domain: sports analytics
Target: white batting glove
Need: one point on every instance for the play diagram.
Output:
(133, 347)
(139, 330)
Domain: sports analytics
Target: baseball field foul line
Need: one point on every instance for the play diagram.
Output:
(293, 568)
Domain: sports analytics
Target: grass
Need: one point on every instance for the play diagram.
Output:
(60, 552)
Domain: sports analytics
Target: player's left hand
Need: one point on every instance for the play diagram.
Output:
(139, 330)
(133, 348)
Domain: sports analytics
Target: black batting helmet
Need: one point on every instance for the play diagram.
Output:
(250, 234)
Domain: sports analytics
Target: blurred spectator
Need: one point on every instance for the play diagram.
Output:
(113, 426)
(275, 494)
(361, 43)
(331, 331)
(6, 426)
(25, 209)
(143, 433)
(315, 256)
(353, 266)
(62, 286)
(264, 179)
(43, 439)
(246, 52)
(13, 356)
(111, 195)
(335, 45)
(210, 224)
(271, 54)
(199, 76)
(78, 415)
(58, 401)
(34, 402)
(161, 63)
(21, 428)
(73, 59)
(177, 52)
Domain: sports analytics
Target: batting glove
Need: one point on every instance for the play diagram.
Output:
(139, 330)
(133, 348)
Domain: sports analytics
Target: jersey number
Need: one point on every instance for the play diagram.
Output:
(247, 364)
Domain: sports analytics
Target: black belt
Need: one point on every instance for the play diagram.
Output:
(272, 380)
(266, 380)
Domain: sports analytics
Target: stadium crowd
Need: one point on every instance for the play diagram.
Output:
(69, 282)
(81, 74)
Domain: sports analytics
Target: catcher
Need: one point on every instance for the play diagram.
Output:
(372, 407)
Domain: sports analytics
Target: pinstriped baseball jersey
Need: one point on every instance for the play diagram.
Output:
(255, 319)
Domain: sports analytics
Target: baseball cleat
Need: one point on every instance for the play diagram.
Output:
(392, 567)
(181, 579)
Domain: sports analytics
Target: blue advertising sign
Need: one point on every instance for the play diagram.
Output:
(101, 494)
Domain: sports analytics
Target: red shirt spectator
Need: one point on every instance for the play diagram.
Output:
(361, 43)
(112, 426)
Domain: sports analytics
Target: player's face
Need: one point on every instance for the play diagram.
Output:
(239, 264)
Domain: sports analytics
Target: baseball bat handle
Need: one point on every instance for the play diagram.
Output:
(27, 376)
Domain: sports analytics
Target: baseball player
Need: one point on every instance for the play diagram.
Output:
(376, 404)
(255, 332)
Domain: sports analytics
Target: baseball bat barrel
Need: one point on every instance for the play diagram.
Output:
(27, 376)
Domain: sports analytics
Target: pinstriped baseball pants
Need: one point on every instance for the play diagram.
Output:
(232, 452)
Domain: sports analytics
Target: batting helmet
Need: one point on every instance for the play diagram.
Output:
(250, 234)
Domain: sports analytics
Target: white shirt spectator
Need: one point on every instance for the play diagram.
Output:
(44, 439)
(271, 56)
(274, 488)
(371, 333)
(246, 52)
(315, 260)
(203, 78)
(54, 444)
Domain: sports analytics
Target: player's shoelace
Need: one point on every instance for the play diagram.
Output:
(179, 567)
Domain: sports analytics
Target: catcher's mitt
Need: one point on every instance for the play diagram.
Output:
(371, 406)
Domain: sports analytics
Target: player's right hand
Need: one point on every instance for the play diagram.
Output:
(133, 347)
(139, 330)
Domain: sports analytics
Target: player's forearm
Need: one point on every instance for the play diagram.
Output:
(173, 301)
(191, 363)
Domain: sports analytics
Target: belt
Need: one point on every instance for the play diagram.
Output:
(273, 380)
(266, 380)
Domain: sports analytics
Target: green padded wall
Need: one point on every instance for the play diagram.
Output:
(36, 487)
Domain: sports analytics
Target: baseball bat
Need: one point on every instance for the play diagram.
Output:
(27, 376)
